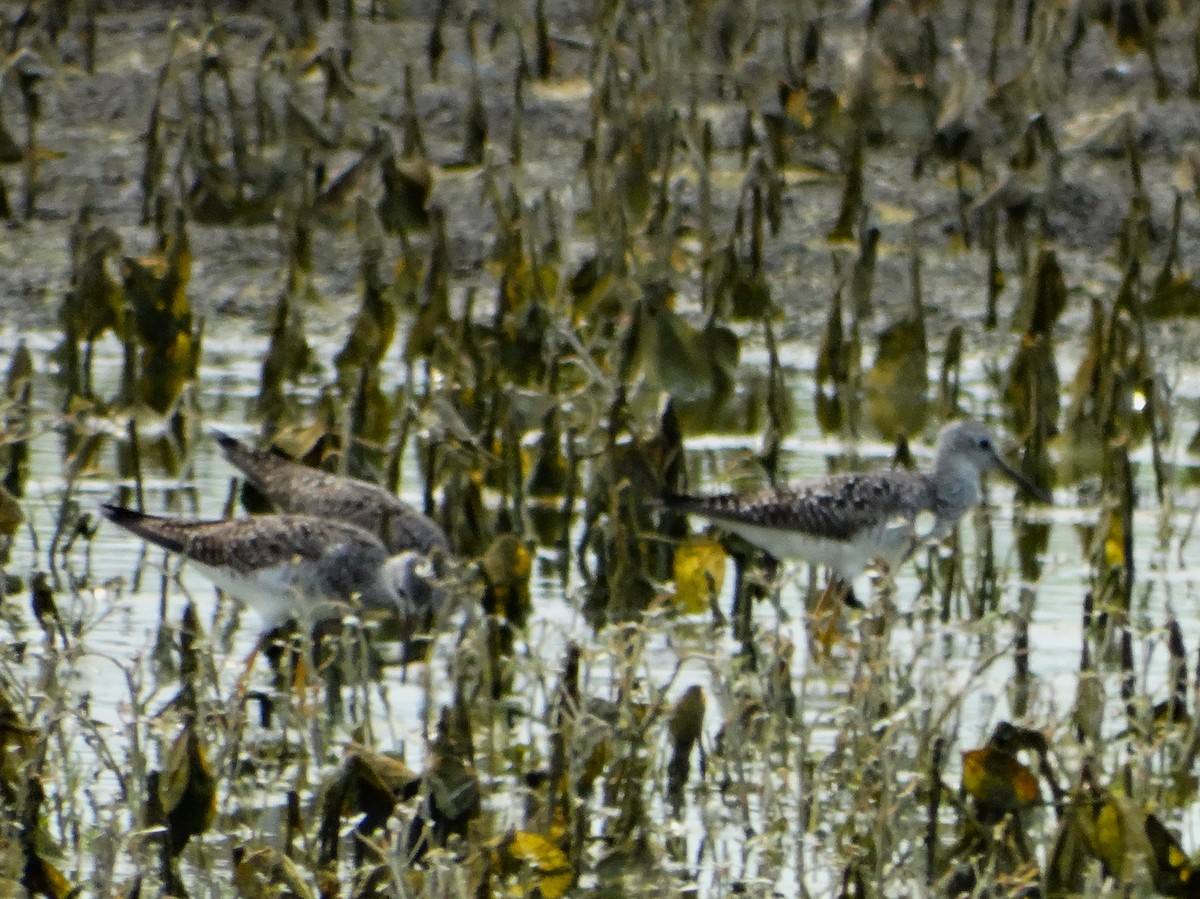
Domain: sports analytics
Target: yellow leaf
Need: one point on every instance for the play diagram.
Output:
(551, 866)
(45, 154)
(11, 515)
(188, 788)
(890, 214)
(507, 561)
(699, 573)
(1173, 868)
(898, 380)
(1119, 838)
(566, 90)
(42, 878)
(506, 567)
(1114, 543)
(1110, 836)
(996, 779)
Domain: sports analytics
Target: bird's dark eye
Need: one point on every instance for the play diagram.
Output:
(984, 443)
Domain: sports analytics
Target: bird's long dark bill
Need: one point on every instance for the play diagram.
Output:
(1023, 482)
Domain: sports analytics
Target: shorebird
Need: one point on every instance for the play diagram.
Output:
(299, 490)
(293, 567)
(845, 522)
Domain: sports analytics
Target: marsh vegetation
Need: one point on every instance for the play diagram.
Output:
(533, 266)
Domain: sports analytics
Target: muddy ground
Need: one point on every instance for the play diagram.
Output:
(92, 144)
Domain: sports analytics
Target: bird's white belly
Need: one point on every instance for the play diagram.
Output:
(277, 593)
(846, 558)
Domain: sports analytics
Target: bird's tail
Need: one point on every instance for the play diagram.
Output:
(164, 532)
(252, 462)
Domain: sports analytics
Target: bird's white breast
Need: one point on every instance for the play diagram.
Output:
(888, 542)
(277, 593)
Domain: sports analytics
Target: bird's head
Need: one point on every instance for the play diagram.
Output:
(968, 449)
(413, 580)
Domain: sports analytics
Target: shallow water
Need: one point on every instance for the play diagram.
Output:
(123, 581)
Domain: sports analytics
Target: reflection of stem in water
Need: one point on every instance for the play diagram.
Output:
(28, 82)
(1021, 672)
(569, 495)
(67, 507)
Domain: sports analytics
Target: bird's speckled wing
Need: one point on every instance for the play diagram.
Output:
(300, 490)
(834, 508)
(246, 545)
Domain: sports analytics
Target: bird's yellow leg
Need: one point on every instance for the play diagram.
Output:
(303, 676)
(825, 616)
(301, 673)
(239, 689)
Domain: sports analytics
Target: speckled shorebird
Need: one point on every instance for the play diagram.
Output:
(847, 521)
(293, 567)
(300, 490)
